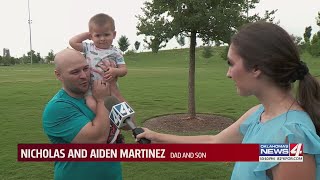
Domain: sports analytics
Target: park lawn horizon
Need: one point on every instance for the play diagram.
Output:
(156, 84)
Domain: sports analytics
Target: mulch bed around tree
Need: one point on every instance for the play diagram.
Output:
(181, 123)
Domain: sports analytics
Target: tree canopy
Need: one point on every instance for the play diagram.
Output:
(210, 20)
(123, 43)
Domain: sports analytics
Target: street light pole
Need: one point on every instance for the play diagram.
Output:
(29, 22)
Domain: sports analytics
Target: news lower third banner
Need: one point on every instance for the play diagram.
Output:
(161, 152)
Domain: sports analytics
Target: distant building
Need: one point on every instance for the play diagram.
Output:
(6, 52)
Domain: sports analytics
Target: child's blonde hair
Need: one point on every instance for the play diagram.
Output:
(101, 19)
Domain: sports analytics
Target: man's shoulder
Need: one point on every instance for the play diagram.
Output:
(60, 99)
(60, 106)
(61, 95)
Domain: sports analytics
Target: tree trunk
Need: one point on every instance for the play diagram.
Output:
(191, 85)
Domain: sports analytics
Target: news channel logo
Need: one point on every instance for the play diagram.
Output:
(123, 109)
(281, 152)
(119, 113)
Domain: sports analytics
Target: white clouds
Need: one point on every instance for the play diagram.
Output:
(55, 21)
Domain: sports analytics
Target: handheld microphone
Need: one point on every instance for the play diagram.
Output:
(121, 114)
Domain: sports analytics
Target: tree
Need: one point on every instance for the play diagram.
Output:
(297, 41)
(50, 57)
(314, 48)
(154, 43)
(307, 34)
(31, 53)
(315, 45)
(38, 59)
(17, 61)
(137, 45)
(207, 52)
(312, 43)
(181, 40)
(224, 53)
(155, 27)
(318, 19)
(6, 60)
(24, 59)
(306, 37)
(123, 43)
(209, 20)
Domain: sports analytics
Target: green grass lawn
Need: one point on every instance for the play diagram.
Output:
(156, 84)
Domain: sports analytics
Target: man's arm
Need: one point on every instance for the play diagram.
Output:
(98, 129)
(76, 41)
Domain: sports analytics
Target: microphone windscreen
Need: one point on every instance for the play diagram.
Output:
(110, 101)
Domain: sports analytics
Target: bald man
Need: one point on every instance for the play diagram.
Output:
(67, 119)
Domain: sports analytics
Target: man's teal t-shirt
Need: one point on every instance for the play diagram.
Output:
(63, 118)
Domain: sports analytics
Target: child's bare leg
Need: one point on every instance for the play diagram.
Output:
(91, 103)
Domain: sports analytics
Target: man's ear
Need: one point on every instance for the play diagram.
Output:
(58, 75)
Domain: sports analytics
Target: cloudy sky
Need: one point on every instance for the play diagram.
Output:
(55, 21)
